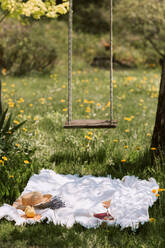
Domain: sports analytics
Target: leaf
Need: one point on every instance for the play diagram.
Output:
(2, 119)
(17, 127)
(7, 126)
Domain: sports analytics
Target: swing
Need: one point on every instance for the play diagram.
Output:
(88, 123)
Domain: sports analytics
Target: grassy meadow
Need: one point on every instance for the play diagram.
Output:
(42, 101)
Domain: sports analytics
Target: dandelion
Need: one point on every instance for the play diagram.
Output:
(17, 145)
(123, 160)
(127, 131)
(36, 118)
(125, 147)
(50, 98)
(25, 129)
(11, 104)
(21, 111)
(65, 109)
(148, 134)
(108, 104)
(62, 100)
(87, 137)
(153, 148)
(90, 133)
(88, 110)
(115, 140)
(127, 118)
(30, 105)
(26, 162)
(21, 100)
(4, 158)
(1, 162)
(16, 122)
(4, 71)
(152, 219)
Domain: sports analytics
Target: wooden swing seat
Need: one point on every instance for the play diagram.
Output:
(90, 124)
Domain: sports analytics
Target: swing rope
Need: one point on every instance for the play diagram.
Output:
(111, 60)
(91, 123)
(70, 61)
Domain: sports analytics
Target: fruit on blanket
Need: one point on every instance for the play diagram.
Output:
(106, 204)
(30, 212)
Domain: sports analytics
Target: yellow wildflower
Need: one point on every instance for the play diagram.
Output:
(16, 122)
(123, 160)
(125, 147)
(65, 109)
(26, 161)
(62, 100)
(152, 219)
(88, 138)
(4, 158)
(88, 110)
(17, 145)
(90, 133)
(153, 148)
(1, 162)
(4, 71)
(115, 140)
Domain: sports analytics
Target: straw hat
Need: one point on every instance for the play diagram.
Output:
(31, 199)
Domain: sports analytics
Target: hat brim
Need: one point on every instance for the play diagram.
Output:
(46, 198)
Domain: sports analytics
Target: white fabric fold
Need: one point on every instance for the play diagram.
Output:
(130, 198)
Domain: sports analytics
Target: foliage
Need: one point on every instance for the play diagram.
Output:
(13, 172)
(25, 48)
(34, 8)
(141, 23)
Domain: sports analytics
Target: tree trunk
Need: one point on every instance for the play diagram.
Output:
(158, 137)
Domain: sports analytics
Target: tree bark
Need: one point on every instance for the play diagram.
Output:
(158, 137)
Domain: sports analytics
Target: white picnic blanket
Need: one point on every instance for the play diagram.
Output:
(130, 199)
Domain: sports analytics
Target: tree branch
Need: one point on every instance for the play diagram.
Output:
(4, 16)
(155, 47)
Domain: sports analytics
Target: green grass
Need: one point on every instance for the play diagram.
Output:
(97, 152)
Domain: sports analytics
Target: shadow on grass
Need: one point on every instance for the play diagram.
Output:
(79, 157)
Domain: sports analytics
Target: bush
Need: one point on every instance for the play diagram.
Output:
(24, 48)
